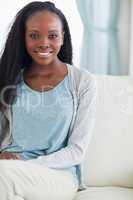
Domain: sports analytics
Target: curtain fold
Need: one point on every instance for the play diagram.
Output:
(100, 47)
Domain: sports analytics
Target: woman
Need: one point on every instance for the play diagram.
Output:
(47, 108)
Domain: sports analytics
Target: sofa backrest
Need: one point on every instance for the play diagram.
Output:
(109, 159)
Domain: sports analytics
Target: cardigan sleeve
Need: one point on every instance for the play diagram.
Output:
(80, 135)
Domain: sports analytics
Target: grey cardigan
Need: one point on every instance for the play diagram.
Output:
(83, 89)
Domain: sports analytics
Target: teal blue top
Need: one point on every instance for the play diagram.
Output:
(41, 121)
(83, 89)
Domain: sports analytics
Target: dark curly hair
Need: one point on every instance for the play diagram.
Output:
(15, 56)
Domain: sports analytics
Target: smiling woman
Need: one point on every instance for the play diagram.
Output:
(47, 108)
(44, 37)
(69, 9)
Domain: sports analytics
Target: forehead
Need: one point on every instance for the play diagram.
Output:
(44, 20)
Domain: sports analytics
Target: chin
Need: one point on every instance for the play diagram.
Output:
(43, 62)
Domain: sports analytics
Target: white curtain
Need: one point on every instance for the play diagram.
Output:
(100, 48)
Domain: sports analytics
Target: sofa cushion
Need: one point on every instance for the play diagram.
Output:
(109, 159)
(105, 193)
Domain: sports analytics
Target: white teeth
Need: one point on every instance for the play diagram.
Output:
(44, 54)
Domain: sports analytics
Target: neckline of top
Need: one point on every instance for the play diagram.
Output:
(46, 91)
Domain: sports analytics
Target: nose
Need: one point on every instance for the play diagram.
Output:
(44, 42)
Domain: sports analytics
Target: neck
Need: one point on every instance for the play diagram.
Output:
(45, 70)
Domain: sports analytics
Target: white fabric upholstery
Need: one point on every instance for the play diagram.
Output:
(108, 166)
(105, 193)
(109, 159)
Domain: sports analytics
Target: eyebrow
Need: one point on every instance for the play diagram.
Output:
(50, 31)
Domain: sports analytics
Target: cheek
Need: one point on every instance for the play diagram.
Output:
(59, 43)
(29, 45)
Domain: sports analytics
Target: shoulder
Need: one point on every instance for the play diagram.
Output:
(83, 79)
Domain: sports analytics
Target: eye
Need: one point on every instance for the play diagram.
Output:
(53, 36)
(34, 36)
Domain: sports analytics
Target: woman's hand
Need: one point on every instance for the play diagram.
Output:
(9, 156)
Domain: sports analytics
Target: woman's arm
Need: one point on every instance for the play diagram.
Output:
(79, 139)
(9, 156)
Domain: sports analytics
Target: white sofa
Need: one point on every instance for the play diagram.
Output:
(108, 166)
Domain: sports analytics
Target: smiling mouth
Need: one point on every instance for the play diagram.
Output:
(44, 54)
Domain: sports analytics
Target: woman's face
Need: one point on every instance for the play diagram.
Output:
(44, 37)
